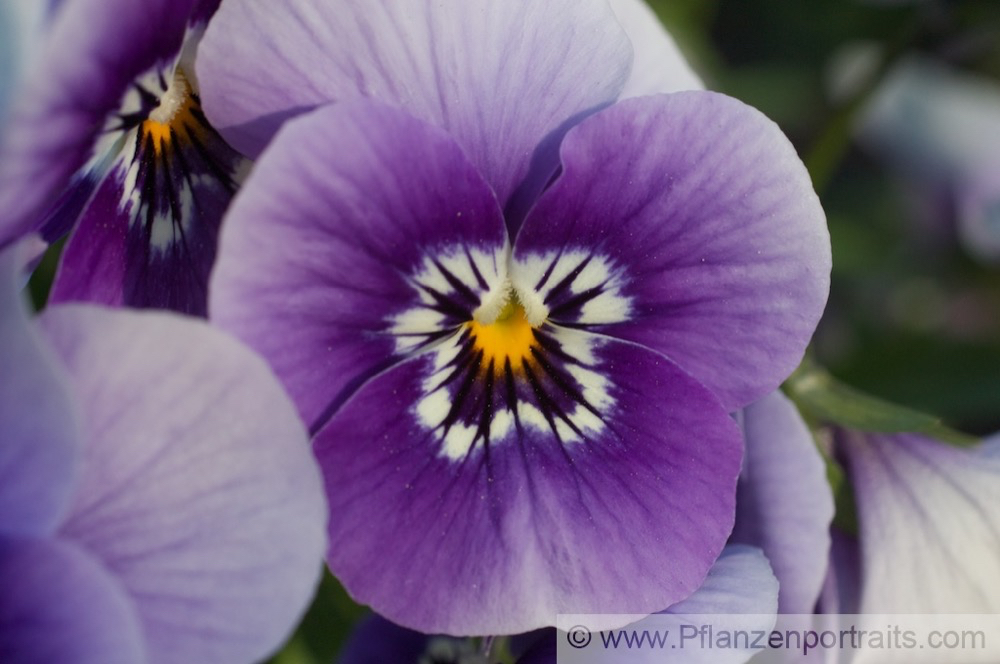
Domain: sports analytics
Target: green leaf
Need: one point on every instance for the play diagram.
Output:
(826, 399)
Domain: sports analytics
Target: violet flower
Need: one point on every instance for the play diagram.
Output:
(106, 121)
(518, 415)
(158, 500)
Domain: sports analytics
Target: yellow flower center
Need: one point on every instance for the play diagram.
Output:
(509, 338)
(174, 116)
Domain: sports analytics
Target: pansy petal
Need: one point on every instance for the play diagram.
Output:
(658, 65)
(740, 582)
(360, 233)
(784, 504)
(40, 438)
(92, 50)
(501, 77)
(60, 605)
(514, 495)
(686, 223)
(739, 594)
(147, 238)
(927, 512)
(199, 492)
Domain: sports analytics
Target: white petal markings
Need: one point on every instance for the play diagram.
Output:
(540, 406)
(449, 286)
(490, 389)
(572, 286)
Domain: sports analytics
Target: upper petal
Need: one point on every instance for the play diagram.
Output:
(40, 448)
(711, 243)
(784, 504)
(359, 237)
(60, 605)
(927, 512)
(658, 65)
(91, 51)
(199, 491)
(499, 76)
(477, 501)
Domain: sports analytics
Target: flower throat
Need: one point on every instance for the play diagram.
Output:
(507, 340)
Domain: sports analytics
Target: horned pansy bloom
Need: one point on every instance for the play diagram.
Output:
(105, 137)
(515, 324)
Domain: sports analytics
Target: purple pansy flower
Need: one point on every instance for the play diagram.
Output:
(106, 122)
(158, 500)
(519, 400)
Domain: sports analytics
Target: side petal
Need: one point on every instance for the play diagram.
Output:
(784, 504)
(40, 449)
(92, 50)
(658, 65)
(199, 492)
(359, 236)
(499, 76)
(560, 488)
(698, 234)
(58, 604)
(927, 512)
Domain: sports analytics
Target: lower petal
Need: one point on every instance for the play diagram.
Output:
(563, 496)
(60, 605)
